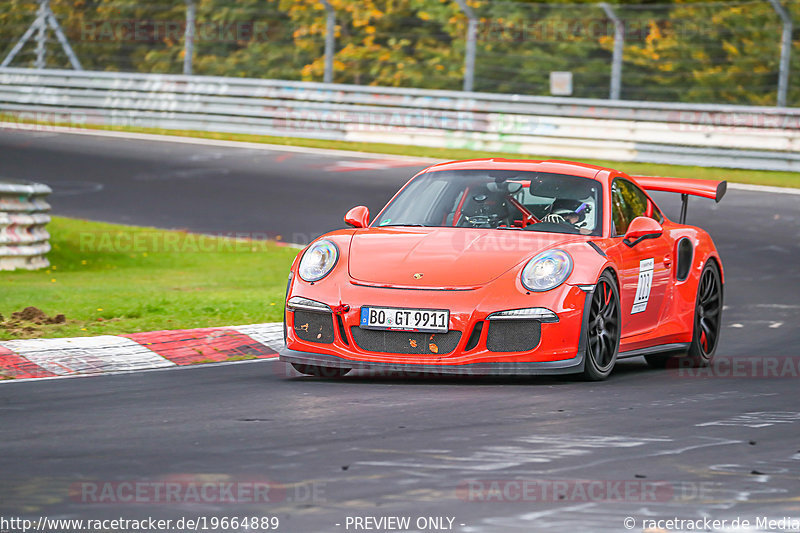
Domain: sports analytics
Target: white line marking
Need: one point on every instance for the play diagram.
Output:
(559, 510)
(227, 144)
(757, 419)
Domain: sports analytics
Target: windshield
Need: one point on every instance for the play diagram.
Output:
(498, 199)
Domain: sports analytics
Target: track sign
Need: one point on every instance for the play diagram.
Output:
(561, 83)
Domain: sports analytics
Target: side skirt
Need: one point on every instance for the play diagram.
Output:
(673, 347)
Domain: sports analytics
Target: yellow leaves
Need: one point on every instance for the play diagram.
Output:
(424, 15)
(654, 33)
(307, 73)
(370, 30)
(730, 48)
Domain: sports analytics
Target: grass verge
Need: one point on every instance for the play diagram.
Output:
(753, 177)
(113, 279)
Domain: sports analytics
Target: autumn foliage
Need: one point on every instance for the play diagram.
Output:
(685, 51)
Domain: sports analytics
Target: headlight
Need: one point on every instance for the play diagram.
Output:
(318, 260)
(547, 270)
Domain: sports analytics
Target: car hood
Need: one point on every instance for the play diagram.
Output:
(443, 257)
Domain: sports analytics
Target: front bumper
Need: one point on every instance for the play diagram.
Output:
(559, 348)
(568, 366)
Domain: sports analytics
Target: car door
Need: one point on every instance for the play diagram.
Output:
(644, 267)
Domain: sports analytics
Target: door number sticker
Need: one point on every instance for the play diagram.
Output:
(644, 285)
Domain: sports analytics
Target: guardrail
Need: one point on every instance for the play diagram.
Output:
(765, 138)
(23, 237)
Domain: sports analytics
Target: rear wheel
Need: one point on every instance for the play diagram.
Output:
(321, 371)
(707, 317)
(603, 333)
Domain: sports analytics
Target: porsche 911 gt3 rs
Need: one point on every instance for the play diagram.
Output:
(497, 266)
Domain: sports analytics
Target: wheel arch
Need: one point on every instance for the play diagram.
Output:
(714, 258)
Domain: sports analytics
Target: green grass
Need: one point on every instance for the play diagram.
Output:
(754, 177)
(112, 279)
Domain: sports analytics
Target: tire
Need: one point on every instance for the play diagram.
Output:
(707, 317)
(321, 371)
(603, 330)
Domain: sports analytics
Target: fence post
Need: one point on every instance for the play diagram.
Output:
(41, 35)
(616, 60)
(786, 49)
(330, 36)
(188, 37)
(44, 18)
(62, 39)
(469, 53)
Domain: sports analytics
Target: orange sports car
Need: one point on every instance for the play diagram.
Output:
(499, 267)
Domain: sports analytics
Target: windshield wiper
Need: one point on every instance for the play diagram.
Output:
(404, 225)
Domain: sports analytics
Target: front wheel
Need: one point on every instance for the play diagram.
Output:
(603, 332)
(321, 371)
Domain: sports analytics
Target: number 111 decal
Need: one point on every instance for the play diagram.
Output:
(644, 285)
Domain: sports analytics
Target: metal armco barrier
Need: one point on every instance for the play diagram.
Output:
(765, 138)
(23, 237)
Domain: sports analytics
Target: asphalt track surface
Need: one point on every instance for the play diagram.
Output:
(485, 452)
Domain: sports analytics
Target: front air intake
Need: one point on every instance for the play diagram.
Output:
(513, 335)
(311, 326)
(405, 342)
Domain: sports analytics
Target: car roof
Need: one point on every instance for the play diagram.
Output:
(570, 168)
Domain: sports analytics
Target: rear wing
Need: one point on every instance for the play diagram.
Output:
(711, 189)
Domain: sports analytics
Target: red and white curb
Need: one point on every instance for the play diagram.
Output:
(48, 358)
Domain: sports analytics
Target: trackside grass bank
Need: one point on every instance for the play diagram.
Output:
(113, 279)
(753, 177)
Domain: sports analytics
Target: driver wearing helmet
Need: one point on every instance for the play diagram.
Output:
(570, 212)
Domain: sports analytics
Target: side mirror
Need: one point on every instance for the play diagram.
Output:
(642, 228)
(358, 217)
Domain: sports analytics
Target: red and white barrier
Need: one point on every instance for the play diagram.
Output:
(43, 358)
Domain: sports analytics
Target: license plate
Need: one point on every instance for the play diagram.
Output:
(425, 320)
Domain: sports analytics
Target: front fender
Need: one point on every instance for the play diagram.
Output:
(589, 261)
